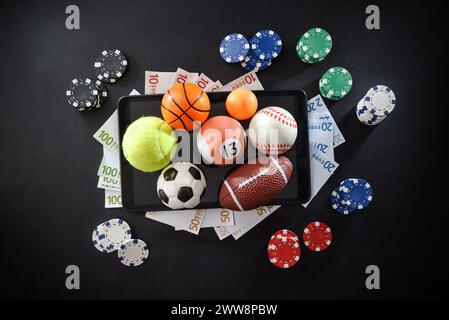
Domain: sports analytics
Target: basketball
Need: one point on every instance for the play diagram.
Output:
(221, 141)
(183, 104)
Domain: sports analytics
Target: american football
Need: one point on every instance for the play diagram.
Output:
(255, 184)
(181, 185)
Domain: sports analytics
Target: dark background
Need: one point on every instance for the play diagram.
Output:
(50, 203)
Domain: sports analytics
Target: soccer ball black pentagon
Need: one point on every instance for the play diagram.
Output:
(181, 185)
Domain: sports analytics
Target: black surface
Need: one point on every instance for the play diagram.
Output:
(138, 196)
(50, 203)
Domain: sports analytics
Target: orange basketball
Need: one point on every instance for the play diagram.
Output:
(183, 104)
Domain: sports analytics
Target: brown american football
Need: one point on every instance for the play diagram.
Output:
(252, 185)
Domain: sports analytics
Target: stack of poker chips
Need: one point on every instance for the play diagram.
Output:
(110, 65)
(335, 83)
(283, 249)
(376, 105)
(84, 94)
(351, 196)
(115, 236)
(254, 55)
(314, 45)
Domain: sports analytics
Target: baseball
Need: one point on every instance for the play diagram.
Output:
(273, 130)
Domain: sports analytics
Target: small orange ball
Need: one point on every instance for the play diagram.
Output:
(241, 104)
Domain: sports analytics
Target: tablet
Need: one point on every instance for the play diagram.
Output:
(139, 192)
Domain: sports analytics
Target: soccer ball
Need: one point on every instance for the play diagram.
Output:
(181, 185)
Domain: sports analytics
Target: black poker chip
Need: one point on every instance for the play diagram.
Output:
(97, 104)
(110, 65)
(102, 93)
(82, 94)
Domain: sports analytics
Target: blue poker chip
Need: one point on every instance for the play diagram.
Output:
(266, 44)
(254, 61)
(234, 48)
(356, 193)
(250, 67)
(337, 204)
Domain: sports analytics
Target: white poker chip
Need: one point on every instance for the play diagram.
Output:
(113, 234)
(133, 253)
(380, 100)
(367, 117)
(98, 244)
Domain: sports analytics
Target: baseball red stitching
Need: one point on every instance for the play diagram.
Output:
(270, 147)
(275, 114)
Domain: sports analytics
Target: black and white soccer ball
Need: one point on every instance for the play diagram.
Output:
(181, 185)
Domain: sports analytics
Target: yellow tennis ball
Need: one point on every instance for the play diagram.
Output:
(149, 144)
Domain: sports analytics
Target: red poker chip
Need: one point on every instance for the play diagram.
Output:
(286, 233)
(317, 236)
(283, 252)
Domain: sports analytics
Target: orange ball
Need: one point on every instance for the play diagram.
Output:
(241, 104)
(183, 104)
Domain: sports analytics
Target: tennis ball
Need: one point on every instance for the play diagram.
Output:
(149, 144)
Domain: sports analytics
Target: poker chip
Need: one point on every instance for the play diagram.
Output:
(102, 93)
(380, 100)
(283, 251)
(110, 65)
(317, 236)
(335, 83)
(114, 233)
(255, 55)
(305, 58)
(252, 60)
(98, 244)
(133, 252)
(286, 233)
(356, 193)
(266, 44)
(82, 94)
(314, 45)
(366, 117)
(338, 206)
(250, 68)
(234, 48)
(377, 104)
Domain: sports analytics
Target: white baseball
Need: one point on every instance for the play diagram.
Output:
(273, 130)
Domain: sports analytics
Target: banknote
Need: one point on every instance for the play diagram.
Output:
(158, 82)
(249, 81)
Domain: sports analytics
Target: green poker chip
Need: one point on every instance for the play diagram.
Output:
(314, 45)
(335, 83)
(304, 57)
